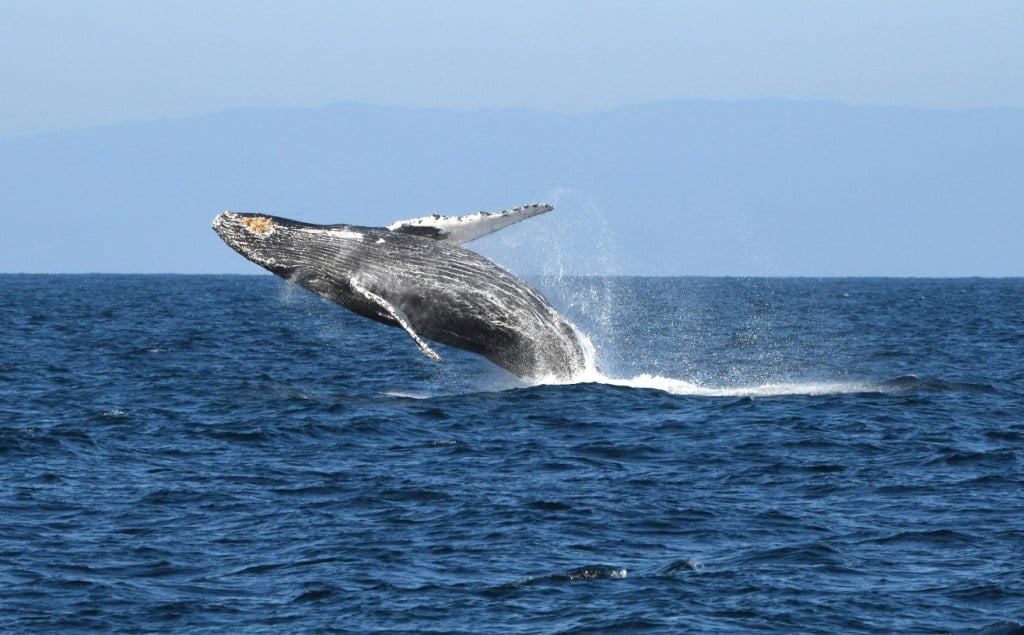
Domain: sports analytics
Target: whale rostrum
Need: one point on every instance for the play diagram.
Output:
(415, 275)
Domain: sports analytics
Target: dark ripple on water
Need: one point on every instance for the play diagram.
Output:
(216, 454)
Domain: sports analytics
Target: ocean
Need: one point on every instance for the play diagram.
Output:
(231, 454)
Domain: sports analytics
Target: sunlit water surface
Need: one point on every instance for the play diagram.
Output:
(232, 454)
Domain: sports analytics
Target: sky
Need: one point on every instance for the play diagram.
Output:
(66, 65)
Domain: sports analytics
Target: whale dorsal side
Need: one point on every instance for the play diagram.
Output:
(463, 229)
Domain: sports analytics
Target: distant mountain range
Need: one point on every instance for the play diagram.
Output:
(690, 188)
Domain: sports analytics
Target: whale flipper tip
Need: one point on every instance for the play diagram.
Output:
(468, 227)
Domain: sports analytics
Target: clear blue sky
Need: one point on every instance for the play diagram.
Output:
(73, 64)
(67, 65)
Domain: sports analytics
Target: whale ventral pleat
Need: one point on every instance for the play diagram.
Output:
(258, 224)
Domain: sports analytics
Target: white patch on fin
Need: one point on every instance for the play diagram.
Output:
(399, 317)
(466, 228)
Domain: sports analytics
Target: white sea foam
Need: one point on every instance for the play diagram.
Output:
(592, 374)
(771, 389)
(677, 386)
(406, 394)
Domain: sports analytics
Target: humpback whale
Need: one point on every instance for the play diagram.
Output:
(415, 275)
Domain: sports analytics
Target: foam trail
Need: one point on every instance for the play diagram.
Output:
(778, 389)
(684, 387)
(591, 374)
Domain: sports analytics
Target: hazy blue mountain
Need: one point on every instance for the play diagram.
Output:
(762, 188)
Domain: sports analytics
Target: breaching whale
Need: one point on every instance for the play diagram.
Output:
(413, 274)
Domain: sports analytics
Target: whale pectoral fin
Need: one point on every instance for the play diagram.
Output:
(399, 317)
(463, 229)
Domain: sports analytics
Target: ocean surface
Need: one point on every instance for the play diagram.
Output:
(231, 454)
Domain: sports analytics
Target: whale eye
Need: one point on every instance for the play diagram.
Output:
(258, 224)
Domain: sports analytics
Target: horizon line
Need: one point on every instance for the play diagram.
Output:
(495, 109)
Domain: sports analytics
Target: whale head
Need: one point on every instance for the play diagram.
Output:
(282, 246)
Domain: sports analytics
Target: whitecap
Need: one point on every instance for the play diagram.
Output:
(404, 394)
(684, 387)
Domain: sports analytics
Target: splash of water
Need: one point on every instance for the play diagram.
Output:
(592, 374)
(682, 387)
(590, 308)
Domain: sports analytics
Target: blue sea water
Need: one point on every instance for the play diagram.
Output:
(231, 454)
